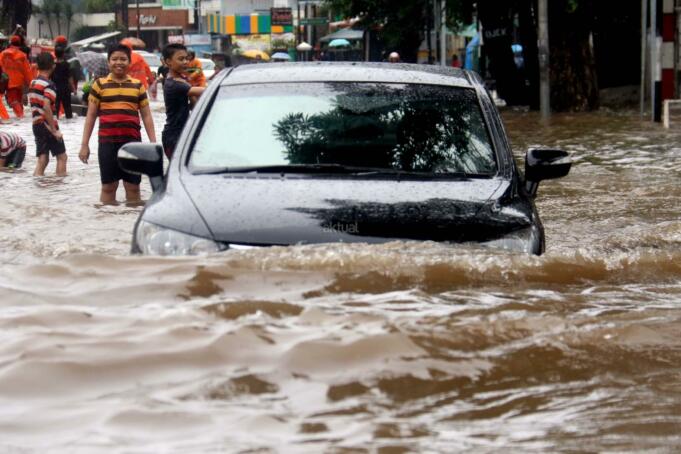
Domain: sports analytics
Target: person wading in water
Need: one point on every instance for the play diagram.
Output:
(118, 100)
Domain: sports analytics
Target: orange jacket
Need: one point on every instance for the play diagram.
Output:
(15, 63)
(195, 74)
(139, 69)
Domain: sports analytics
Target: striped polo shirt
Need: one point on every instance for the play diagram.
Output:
(119, 105)
(10, 141)
(40, 90)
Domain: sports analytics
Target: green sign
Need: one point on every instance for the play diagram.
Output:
(314, 21)
(179, 4)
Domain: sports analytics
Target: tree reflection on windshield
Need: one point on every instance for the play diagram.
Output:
(411, 128)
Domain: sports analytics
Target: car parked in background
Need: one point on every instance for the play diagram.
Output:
(300, 153)
(153, 60)
(208, 67)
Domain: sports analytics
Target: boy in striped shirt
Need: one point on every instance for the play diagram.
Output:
(42, 95)
(118, 100)
(12, 150)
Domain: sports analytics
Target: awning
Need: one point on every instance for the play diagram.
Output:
(94, 39)
(347, 33)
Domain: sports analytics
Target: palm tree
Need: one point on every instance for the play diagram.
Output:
(57, 10)
(16, 11)
(47, 12)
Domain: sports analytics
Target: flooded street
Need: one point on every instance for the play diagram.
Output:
(403, 347)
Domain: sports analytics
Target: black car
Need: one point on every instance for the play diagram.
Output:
(284, 154)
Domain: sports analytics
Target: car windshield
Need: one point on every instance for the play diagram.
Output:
(395, 127)
(152, 60)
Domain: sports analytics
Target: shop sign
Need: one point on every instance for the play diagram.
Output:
(281, 16)
(197, 40)
(147, 20)
(314, 21)
(178, 4)
(176, 39)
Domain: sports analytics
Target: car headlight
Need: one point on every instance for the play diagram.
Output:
(155, 240)
(519, 241)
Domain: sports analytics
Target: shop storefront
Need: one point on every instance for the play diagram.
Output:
(252, 32)
(157, 24)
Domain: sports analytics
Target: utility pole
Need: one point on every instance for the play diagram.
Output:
(138, 18)
(655, 63)
(544, 80)
(644, 39)
(443, 32)
(124, 15)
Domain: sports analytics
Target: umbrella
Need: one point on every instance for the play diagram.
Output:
(256, 54)
(136, 43)
(341, 42)
(94, 63)
(281, 56)
(303, 47)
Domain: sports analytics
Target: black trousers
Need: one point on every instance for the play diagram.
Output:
(64, 98)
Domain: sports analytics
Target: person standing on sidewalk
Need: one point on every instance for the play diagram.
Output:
(118, 100)
(48, 139)
(15, 63)
(176, 94)
(63, 79)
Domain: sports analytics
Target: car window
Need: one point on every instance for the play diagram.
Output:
(407, 127)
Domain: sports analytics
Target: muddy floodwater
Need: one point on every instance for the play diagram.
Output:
(402, 347)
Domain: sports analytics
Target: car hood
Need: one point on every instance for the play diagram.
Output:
(276, 210)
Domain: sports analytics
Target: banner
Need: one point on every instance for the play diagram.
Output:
(179, 4)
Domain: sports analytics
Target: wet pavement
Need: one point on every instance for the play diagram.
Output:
(402, 347)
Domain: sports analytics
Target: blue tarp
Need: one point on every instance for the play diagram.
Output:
(472, 62)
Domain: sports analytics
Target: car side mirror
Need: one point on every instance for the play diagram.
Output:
(143, 159)
(544, 164)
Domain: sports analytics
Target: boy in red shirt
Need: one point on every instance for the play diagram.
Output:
(48, 139)
(118, 101)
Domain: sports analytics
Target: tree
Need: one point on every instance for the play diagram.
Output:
(402, 25)
(68, 15)
(16, 12)
(100, 6)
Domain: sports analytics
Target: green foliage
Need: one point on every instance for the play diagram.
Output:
(99, 6)
(402, 23)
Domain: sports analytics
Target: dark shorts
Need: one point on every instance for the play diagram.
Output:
(109, 170)
(169, 140)
(46, 142)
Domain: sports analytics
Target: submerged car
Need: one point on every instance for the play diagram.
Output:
(285, 154)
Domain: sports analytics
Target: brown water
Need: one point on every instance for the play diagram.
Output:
(404, 347)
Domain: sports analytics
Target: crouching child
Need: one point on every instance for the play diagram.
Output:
(12, 150)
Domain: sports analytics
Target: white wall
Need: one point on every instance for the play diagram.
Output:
(78, 20)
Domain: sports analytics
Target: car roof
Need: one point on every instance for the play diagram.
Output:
(350, 72)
